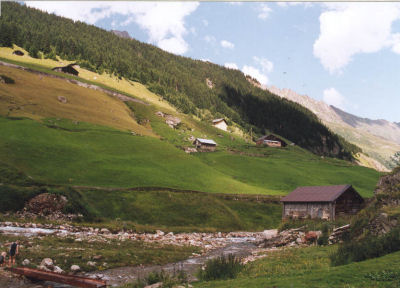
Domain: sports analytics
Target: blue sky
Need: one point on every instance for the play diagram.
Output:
(346, 54)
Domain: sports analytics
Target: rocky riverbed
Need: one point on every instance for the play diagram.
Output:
(248, 246)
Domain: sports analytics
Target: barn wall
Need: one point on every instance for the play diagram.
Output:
(221, 125)
(348, 203)
(304, 210)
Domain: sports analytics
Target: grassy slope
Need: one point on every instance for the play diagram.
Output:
(284, 170)
(176, 211)
(130, 87)
(309, 267)
(106, 157)
(95, 156)
(36, 97)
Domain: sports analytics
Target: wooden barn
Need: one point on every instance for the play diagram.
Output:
(69, 69)
(325, 202)
(220, 124)
(271, 141)
(18, 53)
(205, 144)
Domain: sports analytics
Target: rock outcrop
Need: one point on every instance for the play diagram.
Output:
(46, 203)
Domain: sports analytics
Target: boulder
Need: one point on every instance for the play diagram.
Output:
(62, 99)
(57, 269)
(26, 262)
(46, 203)
(48, 263)
(91, 263)
(75, 268)
(105, 231)
(172, 121)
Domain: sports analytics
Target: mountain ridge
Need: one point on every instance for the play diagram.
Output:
(380, 139)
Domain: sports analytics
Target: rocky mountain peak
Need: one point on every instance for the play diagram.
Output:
(122, 34)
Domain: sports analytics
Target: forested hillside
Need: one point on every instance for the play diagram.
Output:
(180, 80)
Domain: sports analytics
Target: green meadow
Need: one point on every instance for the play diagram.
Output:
(65, 153)
(310, 267)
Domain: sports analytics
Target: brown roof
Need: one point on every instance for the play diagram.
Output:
(316, 193)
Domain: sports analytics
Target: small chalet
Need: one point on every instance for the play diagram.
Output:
(69, 69)
(205, 144)
(18, 53)
(324, 202)
(271, 141)
(220, 124)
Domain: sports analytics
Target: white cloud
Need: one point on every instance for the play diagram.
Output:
(332, 97)
(163, 21)
(288, 4)
(210, 39)
(235, 3)
(205, 22)
(231, 65)
(347, 29)
(227, 44)
(264, 11)
(255, 73)
(266, 65)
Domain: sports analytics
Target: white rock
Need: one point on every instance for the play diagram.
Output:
(57, 269)
(91, 263)
(26, 262)
(105, 231)
(48, 263)
(75, 268)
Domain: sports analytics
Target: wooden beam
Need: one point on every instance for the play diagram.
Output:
(73, 280)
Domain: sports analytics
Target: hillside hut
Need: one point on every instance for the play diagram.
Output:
(324, 202)
(69, 69)
(271, 141)
(205, 144)
(220, 124)
(18, 53)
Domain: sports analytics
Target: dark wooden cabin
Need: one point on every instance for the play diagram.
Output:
(205, 144)
(271, 141)
(69, 69)
(18, 53)
(325, 202)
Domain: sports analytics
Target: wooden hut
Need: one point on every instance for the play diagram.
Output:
(325, 202)
(18, 53)
(271, 141)
(220, 124)
(205, 144)
(69, 69)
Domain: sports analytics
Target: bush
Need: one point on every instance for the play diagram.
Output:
(368, 248)
(221, 268)
(323, 239)
(384, 275)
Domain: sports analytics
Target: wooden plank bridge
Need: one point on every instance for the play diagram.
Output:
(72, 280)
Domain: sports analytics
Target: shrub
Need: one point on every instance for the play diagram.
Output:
(323, 239)
(221, 268)
(384, 275)
(368, 248)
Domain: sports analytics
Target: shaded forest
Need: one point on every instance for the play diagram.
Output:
(179, 80)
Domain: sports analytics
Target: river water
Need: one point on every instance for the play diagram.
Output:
(237, 246)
